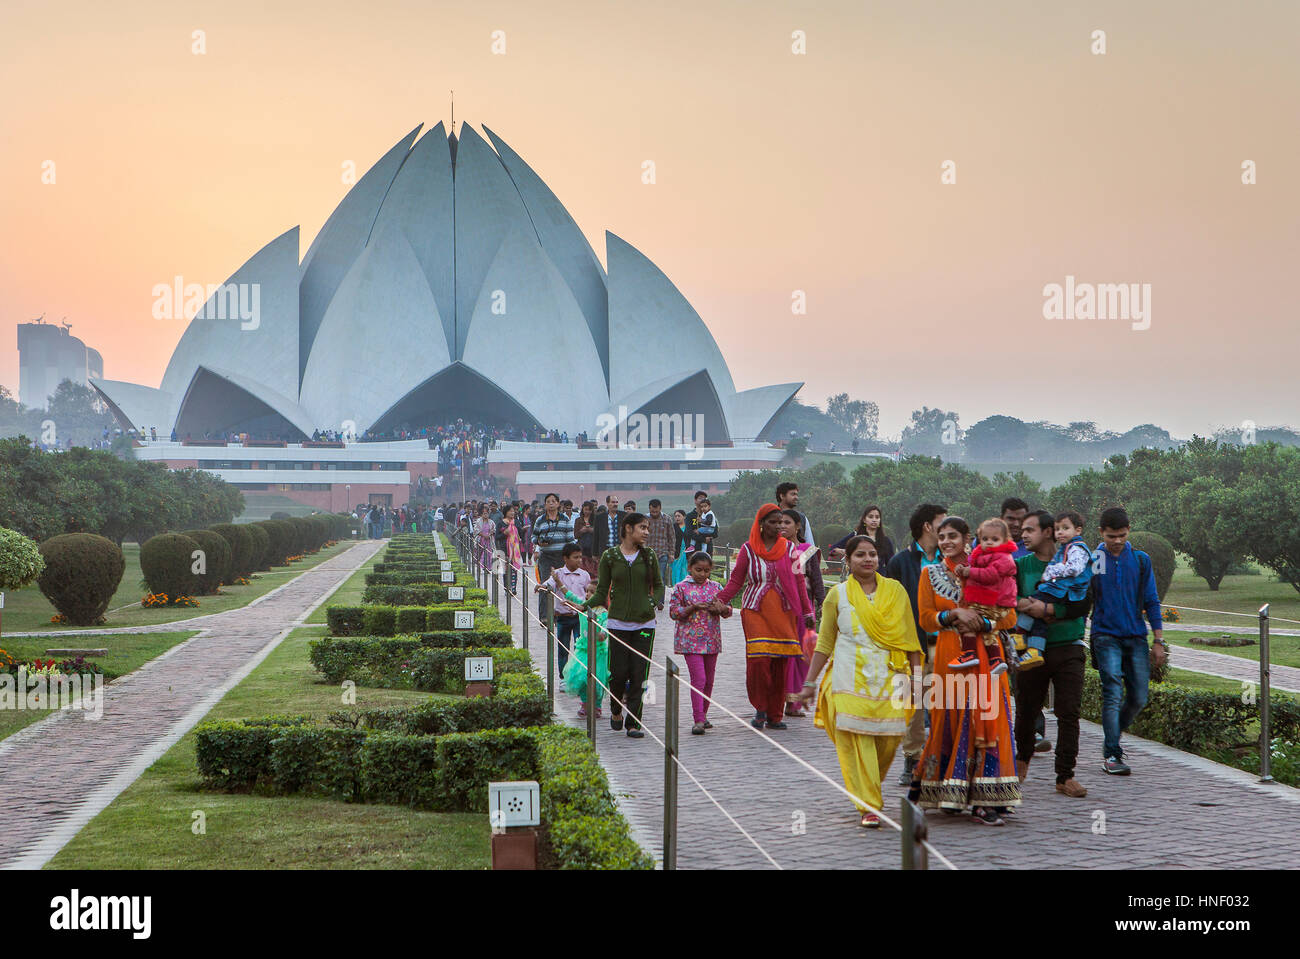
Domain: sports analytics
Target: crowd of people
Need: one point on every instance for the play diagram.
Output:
(942, 651)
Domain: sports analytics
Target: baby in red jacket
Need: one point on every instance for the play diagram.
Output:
(989, 589)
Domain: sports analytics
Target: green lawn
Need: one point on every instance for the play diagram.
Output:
(126, 652)
(1236, 594)
(349, 594)
(149, 826)
(26, 610)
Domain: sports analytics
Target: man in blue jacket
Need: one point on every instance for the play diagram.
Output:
(1124, 587)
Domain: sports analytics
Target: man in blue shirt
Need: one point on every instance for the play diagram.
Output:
(1124, 587)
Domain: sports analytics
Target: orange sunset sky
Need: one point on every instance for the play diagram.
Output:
(776, 172)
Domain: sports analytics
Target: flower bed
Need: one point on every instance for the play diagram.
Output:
(162, 600)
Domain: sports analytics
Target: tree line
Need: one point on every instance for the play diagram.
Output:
(45, 494)
(1219, 504)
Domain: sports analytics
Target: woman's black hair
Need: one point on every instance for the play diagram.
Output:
(957, 523)
(631, 519)
(797, 516)
(862, 520)
(698, 556)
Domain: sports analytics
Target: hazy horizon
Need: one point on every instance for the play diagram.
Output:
(775, 172)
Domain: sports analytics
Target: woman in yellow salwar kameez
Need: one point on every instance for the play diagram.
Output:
(969, 758)
(868, 637)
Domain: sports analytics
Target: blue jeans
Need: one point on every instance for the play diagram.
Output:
(1125, 667)
(664, 563)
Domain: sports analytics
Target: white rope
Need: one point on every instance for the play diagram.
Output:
(676, 758)
(747, 725)
(1224, 612)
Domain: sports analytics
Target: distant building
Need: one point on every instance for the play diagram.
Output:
(47, 355)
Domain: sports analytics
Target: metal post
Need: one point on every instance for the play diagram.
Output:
(671, 730)
(550, 644)
(914, 833)
(508, 606)
(496, 588)
(591, 677)
(523, 623)
(1265, 704)
(726, 564)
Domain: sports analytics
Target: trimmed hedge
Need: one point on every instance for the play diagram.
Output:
(216, 559)
(235, 755)
(260, 556)
(407, 663)
(283, 541)
(242, 549)
(1196, 720)
(80, 576)
(414, 594)
(581, 825)
(166, 560)
(518, 702)
(384, 620)
(380, 620)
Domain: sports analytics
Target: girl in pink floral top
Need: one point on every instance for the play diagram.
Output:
(697, 611)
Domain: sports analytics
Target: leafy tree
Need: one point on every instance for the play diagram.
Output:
(1270, 490)
(92, 491)
(858, 418)
(1090, 491)
(1001, 439)
(933, 432)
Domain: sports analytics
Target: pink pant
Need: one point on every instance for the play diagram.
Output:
(797, 673)
(701, 667)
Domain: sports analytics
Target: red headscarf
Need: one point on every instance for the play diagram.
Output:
(778, 556)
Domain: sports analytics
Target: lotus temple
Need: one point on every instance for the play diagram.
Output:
(449, 282)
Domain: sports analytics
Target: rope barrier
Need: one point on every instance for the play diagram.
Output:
(676, 759)
(758, 732)
(1224, 612)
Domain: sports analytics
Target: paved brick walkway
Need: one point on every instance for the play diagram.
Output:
(1175, 811)
(56, 775)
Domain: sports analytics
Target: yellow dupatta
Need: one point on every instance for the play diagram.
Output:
(887, 620)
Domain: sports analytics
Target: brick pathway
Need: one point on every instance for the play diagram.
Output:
(56, 775)
(1175, 811)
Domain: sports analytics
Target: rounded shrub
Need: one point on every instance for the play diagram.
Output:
(240, 542)
(279, 514)
(735, 533)
(167, 562)
(216, 559)
(20, 560)
(830, 533)
(81, 574)
(260, 555)
(304, 532)
(284, 541)
(1162, 557)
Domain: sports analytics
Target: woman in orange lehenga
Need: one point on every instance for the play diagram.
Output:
(969, 761)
